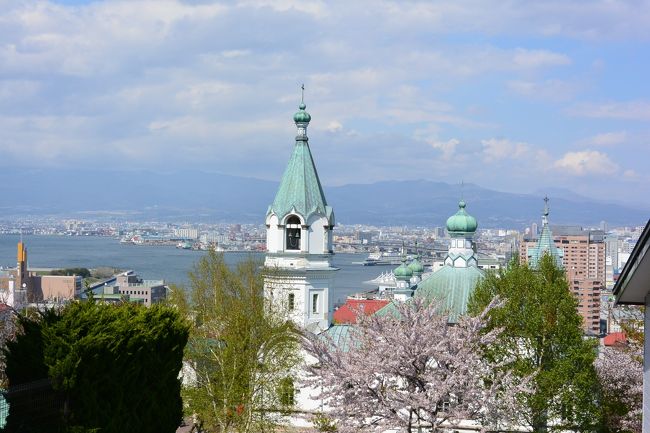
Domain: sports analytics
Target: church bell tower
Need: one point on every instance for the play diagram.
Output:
(299, 226)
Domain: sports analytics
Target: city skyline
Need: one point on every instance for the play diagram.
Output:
(514, 97)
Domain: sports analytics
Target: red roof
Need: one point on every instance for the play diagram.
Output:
(615, 339)
(347, 313)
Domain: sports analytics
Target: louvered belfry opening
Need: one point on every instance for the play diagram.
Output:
(293, 233)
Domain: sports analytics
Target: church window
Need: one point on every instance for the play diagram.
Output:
(314, 303)
(293, 233)
(292, 301)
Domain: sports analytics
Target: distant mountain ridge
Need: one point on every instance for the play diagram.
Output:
(209, 197)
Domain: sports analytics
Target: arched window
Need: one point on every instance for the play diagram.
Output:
(293, 233)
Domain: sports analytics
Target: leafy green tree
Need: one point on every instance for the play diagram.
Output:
(111, 367)
(83, 272)
(542, 335)
(242, 349)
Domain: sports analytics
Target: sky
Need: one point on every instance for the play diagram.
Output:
(517, 96)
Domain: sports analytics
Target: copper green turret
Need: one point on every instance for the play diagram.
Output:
(300, 189)
(545, 243)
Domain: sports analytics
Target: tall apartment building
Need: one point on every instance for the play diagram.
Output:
(582, 255)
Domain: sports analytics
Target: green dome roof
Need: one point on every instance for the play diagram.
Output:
(302, 116)
(416, 267)
(403, 272)
(461, 221)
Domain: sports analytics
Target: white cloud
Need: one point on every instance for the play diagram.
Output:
(214, 84)
(317, 9)
(495, 149)
(631, 174)
(334, 126)
(629, 110)
(448, 148)
(538, 58)
(607, 139)
(548, 90)
(586, 162)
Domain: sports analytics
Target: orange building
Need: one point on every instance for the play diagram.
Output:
(20, 286)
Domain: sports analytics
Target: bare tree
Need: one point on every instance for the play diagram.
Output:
(412, 369)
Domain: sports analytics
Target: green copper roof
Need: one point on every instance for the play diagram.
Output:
(300, 190)
(301, 115)
(461, 222)
(403, 272)
(416, 267)
(389, 308)
(545, 243)
(339, 335)
(453, 286)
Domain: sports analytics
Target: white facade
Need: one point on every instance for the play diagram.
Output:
(299, 226)
(461, 253)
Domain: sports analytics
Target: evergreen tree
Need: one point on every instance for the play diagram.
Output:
(542, 335)
(108, 367)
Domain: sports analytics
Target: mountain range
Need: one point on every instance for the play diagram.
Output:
(212, 197)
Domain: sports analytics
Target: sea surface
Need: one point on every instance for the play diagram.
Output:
(157, 262)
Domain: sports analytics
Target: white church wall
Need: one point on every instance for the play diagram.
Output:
(273, 235)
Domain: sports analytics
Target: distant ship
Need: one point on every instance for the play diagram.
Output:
(386, 258)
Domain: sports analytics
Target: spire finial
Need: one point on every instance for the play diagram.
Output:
(546, 205)
(545, 214)
(301, 117)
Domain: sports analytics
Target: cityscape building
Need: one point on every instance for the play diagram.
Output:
(128, 286)
(20, 286)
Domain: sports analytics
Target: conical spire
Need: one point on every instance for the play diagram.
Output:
(545, 243)
(300, 189)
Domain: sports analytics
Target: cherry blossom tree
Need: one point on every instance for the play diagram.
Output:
(620, 371)
(412, 369)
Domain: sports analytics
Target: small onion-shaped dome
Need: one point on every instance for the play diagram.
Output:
(461, 221)
(403, 272)
(416, 267)
(301, 115)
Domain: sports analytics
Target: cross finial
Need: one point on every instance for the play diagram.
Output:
(302, 93)
(546, 205)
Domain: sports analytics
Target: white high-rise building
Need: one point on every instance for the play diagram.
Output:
(299, 226)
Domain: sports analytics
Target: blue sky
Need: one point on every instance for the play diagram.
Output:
(517, 96)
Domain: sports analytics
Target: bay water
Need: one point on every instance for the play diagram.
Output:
(158, 262)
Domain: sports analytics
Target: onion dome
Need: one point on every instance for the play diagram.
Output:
(461, 222)
(416, 267)
(403, 272)
(301, 115)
